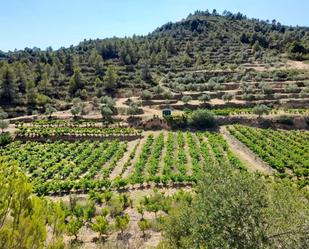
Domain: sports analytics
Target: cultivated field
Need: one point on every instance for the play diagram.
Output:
(158, 157)
(286, 151)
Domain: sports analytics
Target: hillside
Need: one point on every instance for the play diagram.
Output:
(31, 78)
(193, 136)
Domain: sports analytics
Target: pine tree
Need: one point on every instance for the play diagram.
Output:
(8, 86)
(110, 79)
(76, 82)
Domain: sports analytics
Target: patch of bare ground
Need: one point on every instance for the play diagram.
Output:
(118, 168)
(252, 161)
(298, 65)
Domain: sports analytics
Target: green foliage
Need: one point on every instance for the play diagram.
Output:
(110, 78)
(76, 83)
(234, 209)
(201, 119)
(109, 66)
(297, 51)
(3, 125)
(227, 97)
(204, 98)
(77, 107)
(89, 211)
(116, 206)
(186, 99)
(73, 226)
(143, 225)
(282, 150)
(49, 110)
(101, 225)
(122, 222)
(5, 139)
(8, 85)
(106, 112)
(23, 216)
(146, 95)
(260, 110)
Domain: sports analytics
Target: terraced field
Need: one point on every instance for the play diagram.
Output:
(159, 158)
(285, 151)
(269, 86)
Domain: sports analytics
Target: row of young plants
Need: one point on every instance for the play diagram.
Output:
(286, 151)
(179, 147)
(61, 166)
(154, 159)
(237, 111)
(169, 155)
(59, 123)
(34, 132)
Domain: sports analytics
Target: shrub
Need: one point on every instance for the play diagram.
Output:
(285, 120)
(201, 119)
(5, 138)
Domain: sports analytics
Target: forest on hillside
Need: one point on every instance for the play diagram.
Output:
(32, 78)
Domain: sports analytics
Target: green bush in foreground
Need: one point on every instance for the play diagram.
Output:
(238, 210)
(24, 216)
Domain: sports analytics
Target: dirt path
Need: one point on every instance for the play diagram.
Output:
(118, 169)
(248, 157)
(130, 169)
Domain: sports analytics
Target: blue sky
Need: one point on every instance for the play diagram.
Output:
(56, 23)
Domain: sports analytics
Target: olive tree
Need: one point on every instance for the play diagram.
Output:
(186, 99)
(146, 95)
(3, 125)
(260, 110)
(227, 97)
(49, 110)
(204, 98)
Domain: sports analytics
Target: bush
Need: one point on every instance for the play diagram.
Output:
(186, 99)
(5, 138)
(201, 119)
(220, 217)
(285, 120)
